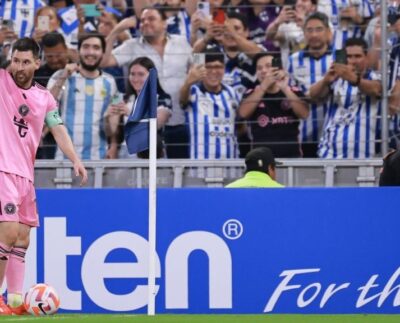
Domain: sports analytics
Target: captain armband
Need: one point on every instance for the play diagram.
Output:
(53, 119)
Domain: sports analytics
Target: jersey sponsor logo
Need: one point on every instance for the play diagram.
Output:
(10, 208)
(22, 126)
(23, 110)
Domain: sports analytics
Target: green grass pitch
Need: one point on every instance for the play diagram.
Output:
(163, 318)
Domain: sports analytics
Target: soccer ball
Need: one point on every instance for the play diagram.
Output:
(41, 299)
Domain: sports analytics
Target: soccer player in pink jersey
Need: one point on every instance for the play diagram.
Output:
(25, 106)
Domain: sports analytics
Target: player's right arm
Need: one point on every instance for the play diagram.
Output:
(64, 142)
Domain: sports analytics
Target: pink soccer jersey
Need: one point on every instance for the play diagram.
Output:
(22, 115)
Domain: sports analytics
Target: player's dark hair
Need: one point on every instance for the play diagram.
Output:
(92, 34)
(357, 42)
(53, 39)
(27, 44)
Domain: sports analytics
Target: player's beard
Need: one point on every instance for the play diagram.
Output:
(90, 67)
(22, 79)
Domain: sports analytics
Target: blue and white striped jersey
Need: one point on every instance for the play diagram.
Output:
(343, 29)
(211, 119)
(350, 123)
(305, 70)
(22, 12)
(179, 24)
(83, 103)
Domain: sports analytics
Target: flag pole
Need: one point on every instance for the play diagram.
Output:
(152, 216)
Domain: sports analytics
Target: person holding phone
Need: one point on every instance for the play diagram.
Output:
(273, 108)
(353, 94)
(306, 67)
(287, 28)
(46, 20)
(210, 109)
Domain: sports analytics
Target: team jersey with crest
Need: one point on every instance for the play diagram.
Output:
(22, 13)
(273, 124)
(350, 123)
(211, 120)
(83, 103)
(22, 116)
(305, 70)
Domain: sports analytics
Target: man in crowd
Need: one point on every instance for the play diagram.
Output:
(85, 92)
(274, 108)
(353, 93)
(232, 40)
(171, 55)
(26, 106)
(307, 67)
(210, 109)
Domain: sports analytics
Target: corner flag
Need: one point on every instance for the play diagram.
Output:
(145, 108)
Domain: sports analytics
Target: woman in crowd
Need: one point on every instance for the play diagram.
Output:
(118, 113)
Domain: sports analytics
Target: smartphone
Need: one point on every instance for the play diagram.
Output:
(291, 4)
(219, 16)
(277, 62)
(44, 23)
(199, 59)
(91, 10)
(203, 8)
(117, 98)
(340, 56)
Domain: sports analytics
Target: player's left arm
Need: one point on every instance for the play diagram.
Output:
(64, 141)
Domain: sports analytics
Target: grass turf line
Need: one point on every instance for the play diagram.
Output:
(165, 318)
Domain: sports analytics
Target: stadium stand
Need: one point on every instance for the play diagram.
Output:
(239, 29)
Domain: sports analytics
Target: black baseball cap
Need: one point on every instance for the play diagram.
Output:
(390, 175)
(259, 159)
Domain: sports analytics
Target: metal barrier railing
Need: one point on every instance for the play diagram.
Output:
(207, 173)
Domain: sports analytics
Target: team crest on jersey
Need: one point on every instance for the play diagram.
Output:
(10, 208)
(23, 110)
(89, 90)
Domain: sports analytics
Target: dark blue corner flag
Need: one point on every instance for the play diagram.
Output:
(145, 107)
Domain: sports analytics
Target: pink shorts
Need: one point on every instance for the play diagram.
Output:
(17, 200)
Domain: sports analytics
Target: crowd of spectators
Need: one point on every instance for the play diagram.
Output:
(301, 77)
